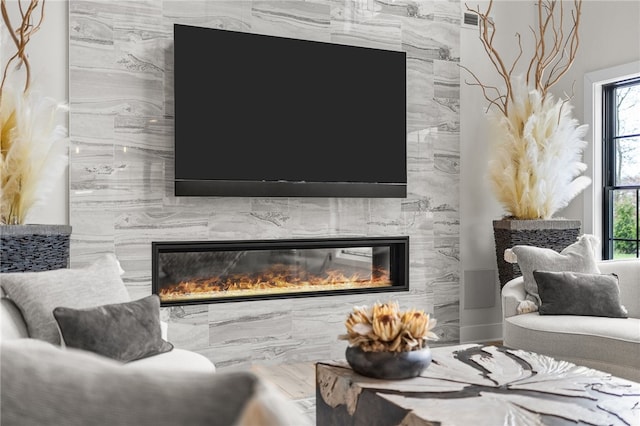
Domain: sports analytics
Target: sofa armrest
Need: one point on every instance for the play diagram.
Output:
(12, 325)
(512, 294)
(628, 272)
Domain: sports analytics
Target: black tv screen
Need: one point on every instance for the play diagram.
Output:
(260, 115)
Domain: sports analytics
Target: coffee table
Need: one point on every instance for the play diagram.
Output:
(478, 385)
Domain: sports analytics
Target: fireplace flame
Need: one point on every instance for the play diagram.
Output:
(278, 279)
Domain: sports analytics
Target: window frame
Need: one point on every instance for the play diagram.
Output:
(592, 109)
(609, 184)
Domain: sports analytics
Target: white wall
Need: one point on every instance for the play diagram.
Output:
(610, 36)
(478, 206)
(48, 53)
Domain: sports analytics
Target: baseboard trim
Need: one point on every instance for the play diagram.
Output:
(481, 333)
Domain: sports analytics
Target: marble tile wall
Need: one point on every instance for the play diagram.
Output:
(121, 166)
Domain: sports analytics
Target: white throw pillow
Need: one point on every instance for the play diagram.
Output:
(37, 293)
(578, 257)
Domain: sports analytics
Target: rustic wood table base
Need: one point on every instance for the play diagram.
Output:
(478, 385)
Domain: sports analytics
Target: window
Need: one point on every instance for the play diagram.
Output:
(621, 156)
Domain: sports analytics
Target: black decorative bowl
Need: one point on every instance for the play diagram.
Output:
(388, 365)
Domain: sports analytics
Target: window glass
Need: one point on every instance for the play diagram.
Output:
(625, 223)
(628, 110)
(624, 250)
(627, 161)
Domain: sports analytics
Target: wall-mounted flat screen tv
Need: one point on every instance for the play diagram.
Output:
(260, 115)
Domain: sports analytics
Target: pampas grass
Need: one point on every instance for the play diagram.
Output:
(33, 152)
(33, 149)
(536, 151)
(536, 144)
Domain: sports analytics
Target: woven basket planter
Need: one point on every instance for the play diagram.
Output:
(554, 234)
(34, 247)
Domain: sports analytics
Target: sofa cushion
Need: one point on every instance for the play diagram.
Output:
(37, 293)
(44, 384)
(573, 293)
(578, 257)
(177, 359)
(123, 331)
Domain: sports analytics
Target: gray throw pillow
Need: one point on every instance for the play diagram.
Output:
(578, 257)
(122, 331)
(37, 293)
(573, 293)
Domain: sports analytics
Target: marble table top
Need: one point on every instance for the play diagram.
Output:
(478, 385)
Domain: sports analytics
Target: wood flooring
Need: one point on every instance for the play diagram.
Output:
(296, 381)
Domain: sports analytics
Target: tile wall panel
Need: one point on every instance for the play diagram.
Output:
(121, 166)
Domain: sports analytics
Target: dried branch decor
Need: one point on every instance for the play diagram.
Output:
(537, 145)
(21, 36)
(33, 149)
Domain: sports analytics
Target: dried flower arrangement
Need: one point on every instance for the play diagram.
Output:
(33, 149)
(384, 328)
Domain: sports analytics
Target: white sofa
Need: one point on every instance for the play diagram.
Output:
(607, 344)
(44, 384)
(13, 326)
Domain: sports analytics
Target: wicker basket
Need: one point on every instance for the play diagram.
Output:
(34, 247)
(554, 234)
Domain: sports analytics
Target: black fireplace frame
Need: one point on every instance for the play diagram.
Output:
(399, 251)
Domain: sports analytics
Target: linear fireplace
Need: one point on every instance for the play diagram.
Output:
(226, 271)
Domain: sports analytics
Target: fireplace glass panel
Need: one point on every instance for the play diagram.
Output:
(224, 271)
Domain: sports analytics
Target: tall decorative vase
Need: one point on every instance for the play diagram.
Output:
(554, 234)
(34, 247)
